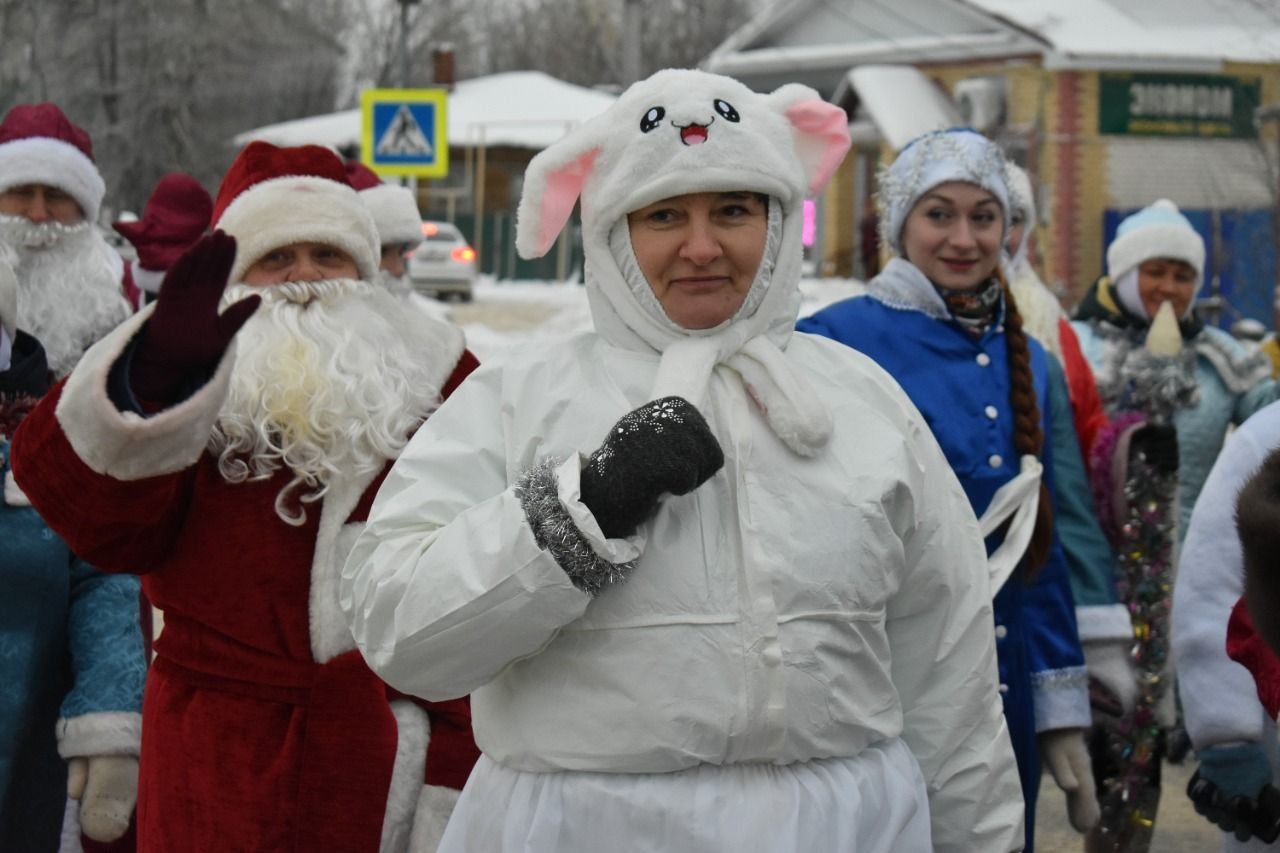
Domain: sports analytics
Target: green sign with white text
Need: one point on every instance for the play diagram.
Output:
(1197, 105)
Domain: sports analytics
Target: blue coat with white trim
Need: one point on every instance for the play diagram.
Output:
(71, 655)
(961, 385)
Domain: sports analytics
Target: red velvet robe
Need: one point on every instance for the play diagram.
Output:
(248, 743)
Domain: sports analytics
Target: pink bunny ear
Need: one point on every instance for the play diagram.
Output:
(548, 200)
(822, 139)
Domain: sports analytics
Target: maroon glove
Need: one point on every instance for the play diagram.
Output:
(186, 336)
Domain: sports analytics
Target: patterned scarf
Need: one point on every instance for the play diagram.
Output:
(974, 309)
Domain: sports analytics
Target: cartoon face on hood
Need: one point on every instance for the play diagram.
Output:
(682, 131)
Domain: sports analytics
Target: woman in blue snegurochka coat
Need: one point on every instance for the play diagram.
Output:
(940, 320)
(71, 656)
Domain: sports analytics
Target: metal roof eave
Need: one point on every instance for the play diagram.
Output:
(757, 26)
(1055, 60)
(917, 50)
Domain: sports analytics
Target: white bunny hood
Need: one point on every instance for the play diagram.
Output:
(685, 131)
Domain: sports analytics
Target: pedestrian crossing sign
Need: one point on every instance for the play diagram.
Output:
(403, 132)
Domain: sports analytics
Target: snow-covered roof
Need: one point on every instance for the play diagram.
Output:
(1182, 34)
(902, 101)
(522, 109)
(817, 41)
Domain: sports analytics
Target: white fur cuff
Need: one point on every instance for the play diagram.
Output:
(1061, 698)
(1104, 622)
(125, 445)
(100, 733)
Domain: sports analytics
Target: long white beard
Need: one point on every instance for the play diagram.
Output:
(400, 285)
(327, 382)
(69, 292)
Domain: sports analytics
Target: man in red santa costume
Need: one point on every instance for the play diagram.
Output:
(50, 194)
(227, 442)
(399, 223)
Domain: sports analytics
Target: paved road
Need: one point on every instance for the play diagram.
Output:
(1178, 828)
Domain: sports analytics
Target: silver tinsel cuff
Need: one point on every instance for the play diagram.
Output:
(554, 530)
(1061, 698)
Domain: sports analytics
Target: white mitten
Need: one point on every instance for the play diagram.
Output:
(107, 788)
(1063, 752)
(1110, 663)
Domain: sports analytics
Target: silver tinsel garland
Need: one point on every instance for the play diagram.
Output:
(554, 530)
(1132, 379)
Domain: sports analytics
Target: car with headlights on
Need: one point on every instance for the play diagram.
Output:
(444, 264)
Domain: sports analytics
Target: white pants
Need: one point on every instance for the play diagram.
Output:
(874, 803)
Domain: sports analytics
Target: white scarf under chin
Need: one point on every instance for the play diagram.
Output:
(327, 383)
(749, 344)
(69, 286)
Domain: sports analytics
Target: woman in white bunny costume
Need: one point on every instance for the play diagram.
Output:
(756, 618)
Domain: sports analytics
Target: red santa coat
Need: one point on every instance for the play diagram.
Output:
(1248, 649)
(264, 729)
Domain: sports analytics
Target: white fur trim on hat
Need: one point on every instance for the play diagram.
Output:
(1168, 235)
(300, 209)
(395, 213)
(44, 160)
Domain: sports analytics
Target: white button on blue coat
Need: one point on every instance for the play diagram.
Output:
(983, 359)
(1001, 632)
(1004, 688)
(995, 460)
(992, 412)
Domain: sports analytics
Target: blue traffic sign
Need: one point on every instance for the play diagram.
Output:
(404, 132)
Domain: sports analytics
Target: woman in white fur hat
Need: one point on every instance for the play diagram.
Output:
(711, 584)
(1158, 257)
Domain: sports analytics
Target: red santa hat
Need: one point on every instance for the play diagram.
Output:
(394, 209)
(174, 218)
(272, 197)
(40, 145)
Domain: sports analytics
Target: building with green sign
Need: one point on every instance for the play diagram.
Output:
(1108, 104)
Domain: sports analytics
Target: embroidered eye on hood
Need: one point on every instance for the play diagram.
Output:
(693, 133)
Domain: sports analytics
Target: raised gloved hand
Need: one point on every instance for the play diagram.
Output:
(1159, 444)
(1063, 752)
(1109, 663)
(107, 788)
(661, 447)
(186, 336)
